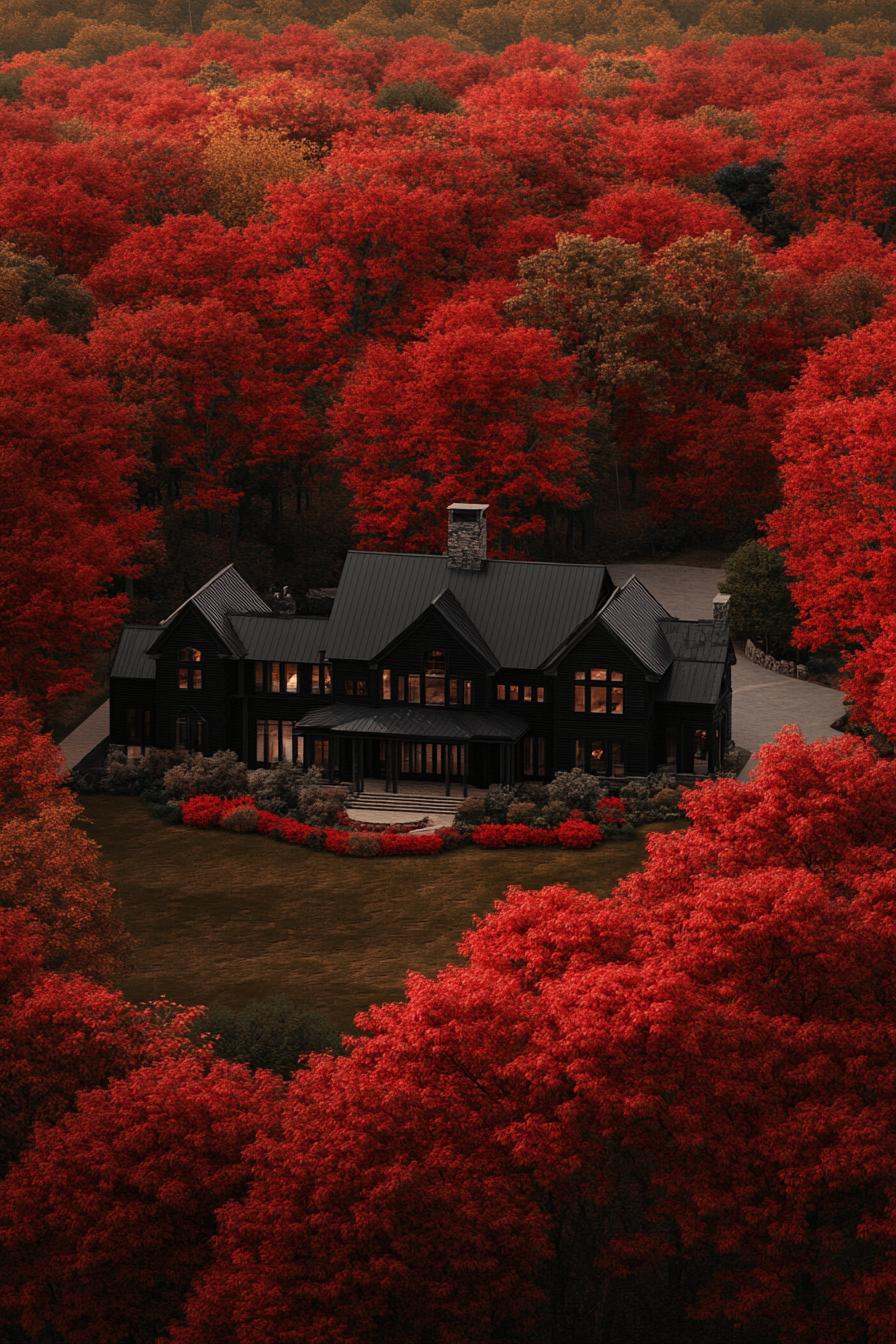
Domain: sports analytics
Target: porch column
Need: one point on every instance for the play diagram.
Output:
(357, 765)
(446, 750)
(391, 766)
(332, 748)
(465, 759)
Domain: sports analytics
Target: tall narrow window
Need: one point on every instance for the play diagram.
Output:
(616, 694)
(502, 690)
(275, 677)
(435, 677)
(598, 759)
(413, 688)
(189, 672)
(328, 682)
(292, 678)
(579, 693)
(315, 679)
(453, 690)
(386, 684)
(259, 676)
(468, 691)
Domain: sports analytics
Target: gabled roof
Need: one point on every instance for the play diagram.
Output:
(416, 721)
(129, 658)
(225, 593)
(521, 610)
(451, 611)
(287, 639)
(701, 651)
(634, 617)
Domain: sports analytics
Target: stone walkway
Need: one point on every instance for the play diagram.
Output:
(763, 702)
(86, 737)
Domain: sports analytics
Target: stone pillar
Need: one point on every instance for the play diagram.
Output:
(467, 541)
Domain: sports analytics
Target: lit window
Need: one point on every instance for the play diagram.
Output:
(361, 687)
(321, 752)
(616, 700)
(189, 675)
(527, 692)
(502, 691)
(413, 688)
(579, 702)
(315, 679)
(328, 684)
(386, 683)
(598, 759)
(436, 668)
(259, 676)
(468, 692)
(539, 695)
(292, 678)
(514, 692)
(599, 674)
(452, 690)
(275, 677)
(598, 699)
(580, 676)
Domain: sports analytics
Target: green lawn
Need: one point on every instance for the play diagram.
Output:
(220, 917)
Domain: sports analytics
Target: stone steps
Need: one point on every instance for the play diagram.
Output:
(404, 802)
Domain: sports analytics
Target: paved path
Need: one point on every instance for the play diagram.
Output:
(763, 701)
(88, 735)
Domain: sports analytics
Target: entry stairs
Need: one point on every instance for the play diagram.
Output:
(430, 802)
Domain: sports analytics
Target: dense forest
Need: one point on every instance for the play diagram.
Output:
(264, 296)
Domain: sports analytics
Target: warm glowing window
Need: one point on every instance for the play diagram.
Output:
(189, 673)
(413, 688)
(259, 676)
(275, 676)
(291, 671)
(386, 683)
(436, 668)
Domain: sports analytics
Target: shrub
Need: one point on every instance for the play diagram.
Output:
(579, 834)
(497, 800)
(270, 1033)
(553, 813)
(223, 774)
(576, 788)
(336, 842)
(523, 813)
(610, 812)
(498, 836)
(243, 820)
(168, 812)
(364, 845)
(320, 806)
(281, 788)
(205, 810)
(291, 832)
(471, 812)
(451, 837)
(122, 775)
(431, 843)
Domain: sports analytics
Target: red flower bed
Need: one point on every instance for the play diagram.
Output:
(206, 810)
(508, 835)
(574, 834)
(611, 811)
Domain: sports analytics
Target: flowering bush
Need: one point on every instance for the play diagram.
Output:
(610, 812)
(507, 836)
(575, 834)
(395, 844)
(241, 820)
(209, 809)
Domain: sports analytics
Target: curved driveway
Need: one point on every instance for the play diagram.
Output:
(763, 701)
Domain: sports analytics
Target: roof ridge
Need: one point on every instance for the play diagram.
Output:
(202, 588)
(492, 559)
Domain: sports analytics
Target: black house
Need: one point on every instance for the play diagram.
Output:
(454, 668)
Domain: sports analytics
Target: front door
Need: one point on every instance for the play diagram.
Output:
(429, 760)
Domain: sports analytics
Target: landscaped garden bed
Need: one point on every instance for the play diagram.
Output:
(296, 807)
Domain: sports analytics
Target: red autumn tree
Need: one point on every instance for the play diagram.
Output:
(837, 522)
(49, 867)
(68, 526)
(111, 1212)
(616, 1113)
(204, 389)
(654, 215)
(474, 409)
(843, 171)
(61, 1034)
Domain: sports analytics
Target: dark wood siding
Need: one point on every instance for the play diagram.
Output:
(633, 729)
(219, 683)
(410, 652)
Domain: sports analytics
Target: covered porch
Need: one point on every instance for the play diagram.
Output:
(386, 747)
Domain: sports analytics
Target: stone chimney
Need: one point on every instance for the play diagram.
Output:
(467, 547)
(721, 610)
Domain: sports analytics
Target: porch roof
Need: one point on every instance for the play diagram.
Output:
(415, 721)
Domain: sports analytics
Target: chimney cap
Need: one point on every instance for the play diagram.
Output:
(480, 508)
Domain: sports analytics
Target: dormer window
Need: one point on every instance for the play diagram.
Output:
(189, 671)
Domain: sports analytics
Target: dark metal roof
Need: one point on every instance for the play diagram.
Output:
(288, 639)
(129, 659)
(521, 609)
(226, 592)
(692, 683)
(634, 616)
(443, 725)
(701, 651)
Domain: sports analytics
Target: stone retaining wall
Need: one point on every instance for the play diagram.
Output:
(783, 666)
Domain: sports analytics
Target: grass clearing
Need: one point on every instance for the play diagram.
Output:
(223, 918)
